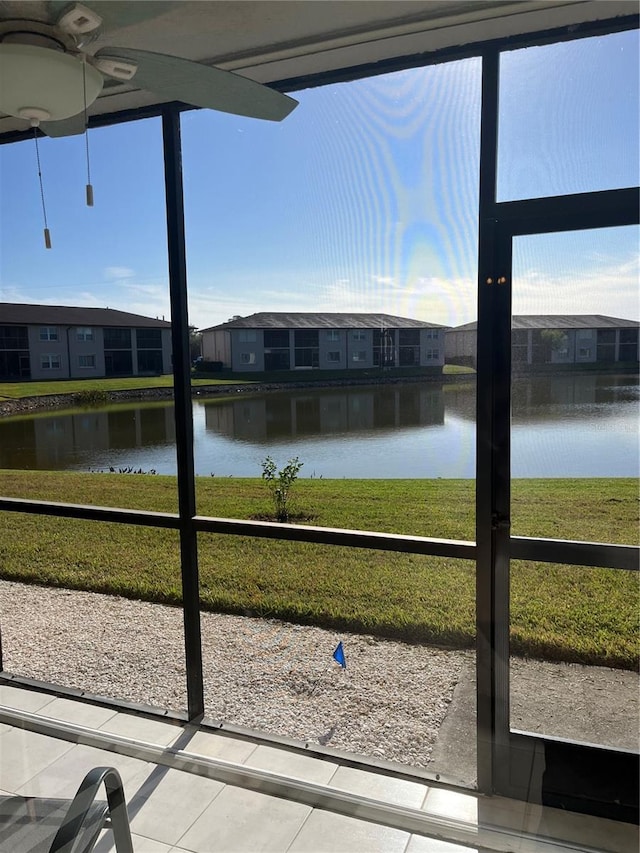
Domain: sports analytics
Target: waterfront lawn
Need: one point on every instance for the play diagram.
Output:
(22, 390)
(558, 612)
(323, 376)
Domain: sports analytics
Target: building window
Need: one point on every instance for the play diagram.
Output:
(584, 352)
(84, 333)
(333, 335)
(117, 338)
(48, 333)
(433, 353)
(628, 345)
(359, 356)
(359, 335)
(432, 334)
(519, 346)
(276, 338)
(247, 336)
(333, 356)
(276, 349)
(50, 362)
(307, 352)
(247, 358)
(14, 337)
(606, 344)
(150, 361)
(86, 361)
(149, 338)
(149, 350)
(409, 347)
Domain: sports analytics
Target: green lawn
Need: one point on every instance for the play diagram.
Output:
(320, 376)
(18, 390)
(558, 612)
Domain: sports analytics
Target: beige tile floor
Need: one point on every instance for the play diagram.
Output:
(175, 811)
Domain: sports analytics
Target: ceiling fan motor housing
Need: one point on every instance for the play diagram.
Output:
(79, 20)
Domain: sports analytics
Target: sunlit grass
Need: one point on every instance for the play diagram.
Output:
(20, 390)
(557, 612)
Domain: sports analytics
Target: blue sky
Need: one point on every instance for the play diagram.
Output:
(364, 199)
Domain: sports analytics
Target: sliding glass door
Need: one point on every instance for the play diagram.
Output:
(565, 484)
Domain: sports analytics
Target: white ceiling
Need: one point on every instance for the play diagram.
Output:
(274, 40)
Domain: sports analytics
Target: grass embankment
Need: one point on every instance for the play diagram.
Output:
(557, 612)
(373, 374)
(20, 390)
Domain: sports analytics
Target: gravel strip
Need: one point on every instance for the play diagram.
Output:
(260, 673)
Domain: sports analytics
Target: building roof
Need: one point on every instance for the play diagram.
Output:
(288, 320)
(67, 315)
(560, 321)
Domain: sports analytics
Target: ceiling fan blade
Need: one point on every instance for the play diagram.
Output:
(202, 86)
(114, 13)
(64, 127)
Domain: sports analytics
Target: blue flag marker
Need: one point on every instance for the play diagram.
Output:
(338, 655)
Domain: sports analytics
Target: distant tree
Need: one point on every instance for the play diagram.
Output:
(554, 338)
(195, 342)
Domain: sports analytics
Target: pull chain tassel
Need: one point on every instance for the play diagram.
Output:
(89, 188)
(47, 233)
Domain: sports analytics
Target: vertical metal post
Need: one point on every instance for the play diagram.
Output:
(493, 458)
(183, 409)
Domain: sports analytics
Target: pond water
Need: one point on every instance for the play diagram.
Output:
(562, 426)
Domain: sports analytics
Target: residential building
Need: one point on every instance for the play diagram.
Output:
(305, 341)
(64, 342)
(538, 341)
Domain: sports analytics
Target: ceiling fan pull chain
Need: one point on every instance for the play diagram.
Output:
(47, 233)
(89, 187)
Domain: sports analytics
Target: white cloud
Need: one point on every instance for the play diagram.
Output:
(14, 293)
(429, 298)
(612, 291)
(118, 273)
(609, 290)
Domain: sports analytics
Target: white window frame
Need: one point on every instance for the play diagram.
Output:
(433, 354)
(333, 335)
(50, 361)
(361, 355)
(83, 357)
(333, 355)
(247, 358)
(359, 335)
(48, 333)
(247, 336)
(584, 352)
(84, 333)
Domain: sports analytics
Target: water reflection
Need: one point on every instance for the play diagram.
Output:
(67, 440)
(563, 426)
(284, 416)
(571, 396)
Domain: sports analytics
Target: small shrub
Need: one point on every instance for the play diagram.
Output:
(208, 366)
(280, 484)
